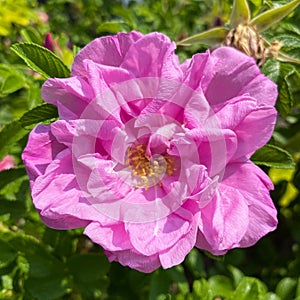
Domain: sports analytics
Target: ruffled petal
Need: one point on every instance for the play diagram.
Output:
(252, 124)
(254, 186)
(152, 56)
(135, 260)
(150, 238)
(232, 74)
(42, 148)
(111, 237)
(58, 198)
(224, 221)
(108, 50)
(255, 131)
(252, 213)
(176, 254)
(101, 77)
(70, 95)
(193, 69)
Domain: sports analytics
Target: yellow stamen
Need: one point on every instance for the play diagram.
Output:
(148, 172)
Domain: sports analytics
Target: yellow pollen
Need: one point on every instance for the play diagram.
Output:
(149, 171)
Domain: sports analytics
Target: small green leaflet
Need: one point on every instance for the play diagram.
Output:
(41, 60)
(39, 114)
(9, 134)
(209, 37)
(10, 80)
(281, 73)
(7, 254)
(113, 27)
(273, 156)
(250, 288)
(14, 131)
(240, 13)
(287, 288)
(273, 16)
(11, 175)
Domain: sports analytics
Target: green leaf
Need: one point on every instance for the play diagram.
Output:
(16, 209)
(270, 296)
(159, 285)
(31, 35)
(195, 263)
(296, 182)
(10, 80)
(286, 288)
(11, 175)
(89, 272)
(88, 267)
(7, 254)
(14, 131)
(273, 156)
(214, 257)
(41, 60)
(11, 84)
(113, 27)
(292, 28)
(42, 263)
(273, 16)
(45, 275)
(256, 5)
(53, 287)
(61, 241)
(240, 13)
(280, 73)
(293, 143)
(298, 288)
(250, 288)
(290, 50)
(283, 57)
(9, 134)
(202, 290)
(288, 40)
(177, 275)
(221, 286)
(210, 37)
(236, 274)
(39, 114)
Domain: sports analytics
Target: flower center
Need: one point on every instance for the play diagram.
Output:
(149, 171)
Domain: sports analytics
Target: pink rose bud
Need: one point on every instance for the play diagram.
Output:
(7, 163)
(51, 44)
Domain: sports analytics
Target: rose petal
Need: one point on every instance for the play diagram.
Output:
(109, 50)
(135, 260)
(224, 220)
(111, 237)
(70, 95)
(58, 198)
(234, 74)
(152, 56)
(155, 237)
(36, 161)
(262, 212)
(101, 77)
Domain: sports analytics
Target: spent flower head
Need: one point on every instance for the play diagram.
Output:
(245, 34)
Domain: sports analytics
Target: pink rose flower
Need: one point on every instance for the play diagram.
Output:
(7, 163)
(152, 156)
